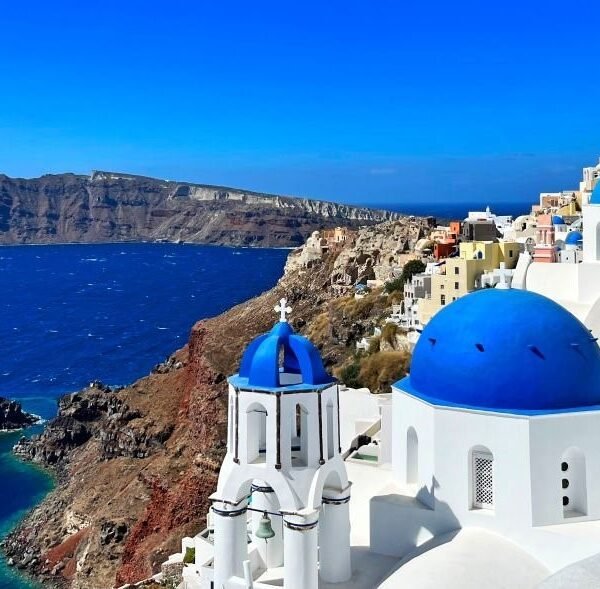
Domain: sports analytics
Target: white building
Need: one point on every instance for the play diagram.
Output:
(497, 427)
(284, 465)
(575, 283)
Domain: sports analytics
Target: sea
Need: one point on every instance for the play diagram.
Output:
(71, 314)
(451, 210)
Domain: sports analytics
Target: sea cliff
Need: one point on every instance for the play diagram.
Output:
(135, 465)
(108, 206)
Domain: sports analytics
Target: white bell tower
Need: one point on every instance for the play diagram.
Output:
(283, 460)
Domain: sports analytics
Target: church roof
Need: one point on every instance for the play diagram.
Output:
(281, 352)
(573, 237)
(557, 220)
(510, 351)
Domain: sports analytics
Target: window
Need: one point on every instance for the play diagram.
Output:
(456, 286)
(510, 253)
(456, 270)
(442, 299)
(412, 456)
(573, 483)
(441, 287)
(483, 480)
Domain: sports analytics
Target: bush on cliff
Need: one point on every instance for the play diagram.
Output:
(349, 374)
(378, 371)
(409, 269)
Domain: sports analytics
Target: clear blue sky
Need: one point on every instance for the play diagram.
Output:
(363, 101)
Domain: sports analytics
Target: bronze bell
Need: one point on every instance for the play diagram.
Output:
(265, 529)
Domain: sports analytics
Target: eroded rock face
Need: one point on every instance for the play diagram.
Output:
(108, 206)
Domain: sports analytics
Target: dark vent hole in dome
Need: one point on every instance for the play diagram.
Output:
(537, 352)
(480, 347)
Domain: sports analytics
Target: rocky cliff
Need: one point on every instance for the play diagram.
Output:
(108, 206)
(135, 466)
(13, 417)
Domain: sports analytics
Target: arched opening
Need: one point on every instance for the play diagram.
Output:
(330, 432)
(300, 436)
(412, 456)
(256, 433)
(481, 469)
(573, 483)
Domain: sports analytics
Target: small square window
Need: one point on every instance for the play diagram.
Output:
(456, 270)
(456, 286)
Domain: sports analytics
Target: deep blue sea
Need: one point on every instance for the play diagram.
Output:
(75, 313)
(457, 210)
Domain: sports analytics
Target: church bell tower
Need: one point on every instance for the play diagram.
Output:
(283, 483)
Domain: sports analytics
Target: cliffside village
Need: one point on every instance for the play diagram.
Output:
(483, 250)
(325, 486)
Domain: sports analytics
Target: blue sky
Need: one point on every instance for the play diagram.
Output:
(372, 101)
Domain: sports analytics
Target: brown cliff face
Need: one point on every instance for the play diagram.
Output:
(119, 207)
(136, 465)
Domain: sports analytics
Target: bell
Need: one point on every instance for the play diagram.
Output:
(265, 529)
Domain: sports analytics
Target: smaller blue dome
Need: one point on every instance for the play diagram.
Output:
(574, 238)
(595, 197)
(281, 352)
(557, 220)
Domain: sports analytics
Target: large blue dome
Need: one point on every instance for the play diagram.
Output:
(281, 359)
(506, 350)
(595, 196)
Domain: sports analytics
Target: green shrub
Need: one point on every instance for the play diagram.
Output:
(190, 555)
(394, 285)
(349, 374)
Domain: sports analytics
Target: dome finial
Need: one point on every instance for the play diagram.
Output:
(283, 309)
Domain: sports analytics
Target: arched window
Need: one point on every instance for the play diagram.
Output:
(482, 478)
(412, 456)
(256, 433)
(300, 436)
(330, 432)
(573, 483)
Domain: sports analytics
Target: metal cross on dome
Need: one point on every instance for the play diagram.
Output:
(283, 309)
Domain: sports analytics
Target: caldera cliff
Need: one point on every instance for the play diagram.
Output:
(107, 206)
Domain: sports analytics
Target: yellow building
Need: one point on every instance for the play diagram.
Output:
(461, 274)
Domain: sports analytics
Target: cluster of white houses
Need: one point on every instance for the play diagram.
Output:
(480, 469)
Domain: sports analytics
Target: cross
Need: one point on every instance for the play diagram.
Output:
(283, 309)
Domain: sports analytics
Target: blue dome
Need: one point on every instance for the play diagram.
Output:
(574, 238)
(506, 350)
(281, 352)
(595, 196)
(557, 220)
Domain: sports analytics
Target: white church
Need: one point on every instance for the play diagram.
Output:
(480, 469)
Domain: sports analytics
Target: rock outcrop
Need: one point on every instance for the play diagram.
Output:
(108, 206)
(136, 465)
(13, 417)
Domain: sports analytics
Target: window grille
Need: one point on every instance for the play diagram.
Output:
(483, 480)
